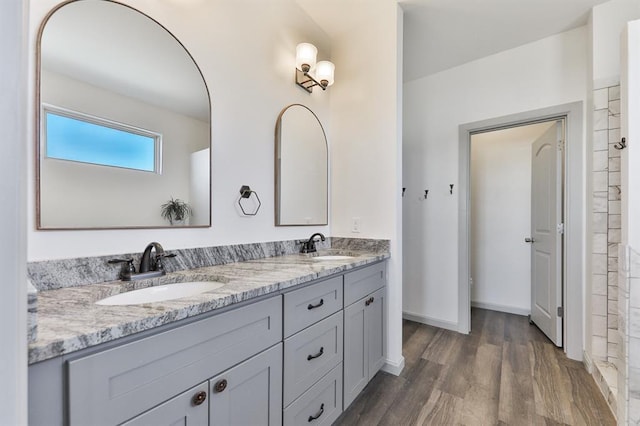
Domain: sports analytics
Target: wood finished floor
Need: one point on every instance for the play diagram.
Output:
(506, 372)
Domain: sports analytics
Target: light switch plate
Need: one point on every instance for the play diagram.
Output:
(356, 225)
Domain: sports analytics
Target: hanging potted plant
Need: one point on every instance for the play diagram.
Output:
(176, 211)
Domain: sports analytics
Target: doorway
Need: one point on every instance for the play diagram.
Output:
(574, 202)
(516, 186)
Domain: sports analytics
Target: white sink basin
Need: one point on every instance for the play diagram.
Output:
(331, 257)
(160, 293)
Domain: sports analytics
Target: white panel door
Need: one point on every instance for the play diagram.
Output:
(546, 236)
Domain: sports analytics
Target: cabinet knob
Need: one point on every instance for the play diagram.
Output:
(220, 386)
(199, 398)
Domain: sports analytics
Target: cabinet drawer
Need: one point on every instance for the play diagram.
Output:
(310, 354)
(358, 284)
(112, 386)
(320, 405)
(311, 304)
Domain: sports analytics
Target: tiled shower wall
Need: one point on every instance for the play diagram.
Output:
(628, 364)
(606, 224)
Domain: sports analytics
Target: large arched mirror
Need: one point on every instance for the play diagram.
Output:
(301, 168)
(124, 123)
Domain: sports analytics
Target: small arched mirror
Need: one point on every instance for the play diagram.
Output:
(301, 168)
(124, 120)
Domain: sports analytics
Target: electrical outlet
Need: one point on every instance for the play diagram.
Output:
(356, 225)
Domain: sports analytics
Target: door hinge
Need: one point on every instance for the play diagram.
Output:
(560, 311)
(560, 144)
(560, 228)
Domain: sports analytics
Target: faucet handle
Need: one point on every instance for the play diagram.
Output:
(166, 255)
(159, 266)
(128, 268)
(127, 260)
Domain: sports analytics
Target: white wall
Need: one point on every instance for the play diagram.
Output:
(248, 64)
(501, 217)
(112, 196)
(366, 148)
(13, 306)
(545, 73)
(608, 21)
(630, 157)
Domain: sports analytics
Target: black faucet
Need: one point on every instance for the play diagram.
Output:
(310, 245)
(146, 263)
(149, 266)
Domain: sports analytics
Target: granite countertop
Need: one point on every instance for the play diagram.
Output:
(69, 320)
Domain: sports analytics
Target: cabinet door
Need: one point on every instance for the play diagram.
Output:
(364, 343)
(249, 393)
(190, 408)
(374, 320)
(356, 344)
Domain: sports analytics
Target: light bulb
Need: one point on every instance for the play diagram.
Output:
(324, 72)
(306, 56)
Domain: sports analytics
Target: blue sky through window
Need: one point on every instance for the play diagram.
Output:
(78, 140)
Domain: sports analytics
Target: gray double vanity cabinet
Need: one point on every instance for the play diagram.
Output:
(296, 356)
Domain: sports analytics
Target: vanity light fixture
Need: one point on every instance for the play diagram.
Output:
(309, 73)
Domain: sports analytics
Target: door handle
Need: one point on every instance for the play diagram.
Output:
(529, 240)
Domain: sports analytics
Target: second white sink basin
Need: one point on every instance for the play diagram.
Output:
(331, 257)
(160, 293)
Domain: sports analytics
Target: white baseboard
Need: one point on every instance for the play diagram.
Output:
(394, 367)
(448, 325)
(586, 360)
(501, 308)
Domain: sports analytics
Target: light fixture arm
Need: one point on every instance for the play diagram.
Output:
(305, 80)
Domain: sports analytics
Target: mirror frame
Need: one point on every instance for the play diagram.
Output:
(38, 125)
(277, 169)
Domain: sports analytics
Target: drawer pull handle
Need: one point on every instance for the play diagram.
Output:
(320, 303)
(369, 301)
(220, 386)
(199, 398)
(312, 418)
(319, 354)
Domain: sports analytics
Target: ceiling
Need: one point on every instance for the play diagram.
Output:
(441, 34)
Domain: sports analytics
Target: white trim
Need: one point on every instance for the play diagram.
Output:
(14, 119)
(603, 83)
(575, 214)
(393, 367)
(501, 308)
(447, 325)
(586, 360)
